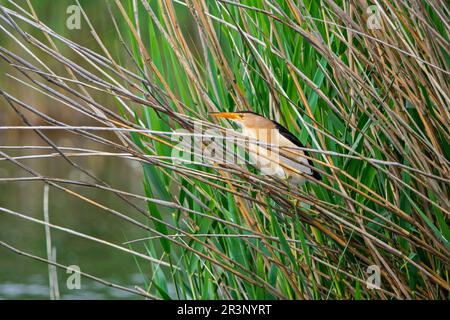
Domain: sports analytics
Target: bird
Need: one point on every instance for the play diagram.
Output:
(284, 160)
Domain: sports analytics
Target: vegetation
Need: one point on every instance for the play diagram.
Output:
(364, 88)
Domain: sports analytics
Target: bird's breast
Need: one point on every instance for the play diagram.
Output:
(273, 154)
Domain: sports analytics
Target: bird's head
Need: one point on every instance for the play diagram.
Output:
(246, 119)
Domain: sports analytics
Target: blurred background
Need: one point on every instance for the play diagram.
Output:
(21, 277)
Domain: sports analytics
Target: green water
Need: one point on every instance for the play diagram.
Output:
(24, 278)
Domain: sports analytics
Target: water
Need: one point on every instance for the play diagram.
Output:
(21, 277)
(24, 278)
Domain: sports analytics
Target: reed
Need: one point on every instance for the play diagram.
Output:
(365, 89)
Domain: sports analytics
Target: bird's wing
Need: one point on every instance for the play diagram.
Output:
(285, 133)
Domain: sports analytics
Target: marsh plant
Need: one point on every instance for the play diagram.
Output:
(363, 85)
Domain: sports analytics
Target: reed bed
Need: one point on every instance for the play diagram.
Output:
(364, 88)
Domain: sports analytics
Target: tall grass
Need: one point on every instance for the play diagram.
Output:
(370, 104)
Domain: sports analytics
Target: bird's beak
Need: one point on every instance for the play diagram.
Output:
(227, 115)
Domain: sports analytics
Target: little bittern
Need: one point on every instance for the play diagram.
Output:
(284, 160)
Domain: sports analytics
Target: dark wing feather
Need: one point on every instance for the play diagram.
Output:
(285, 133)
